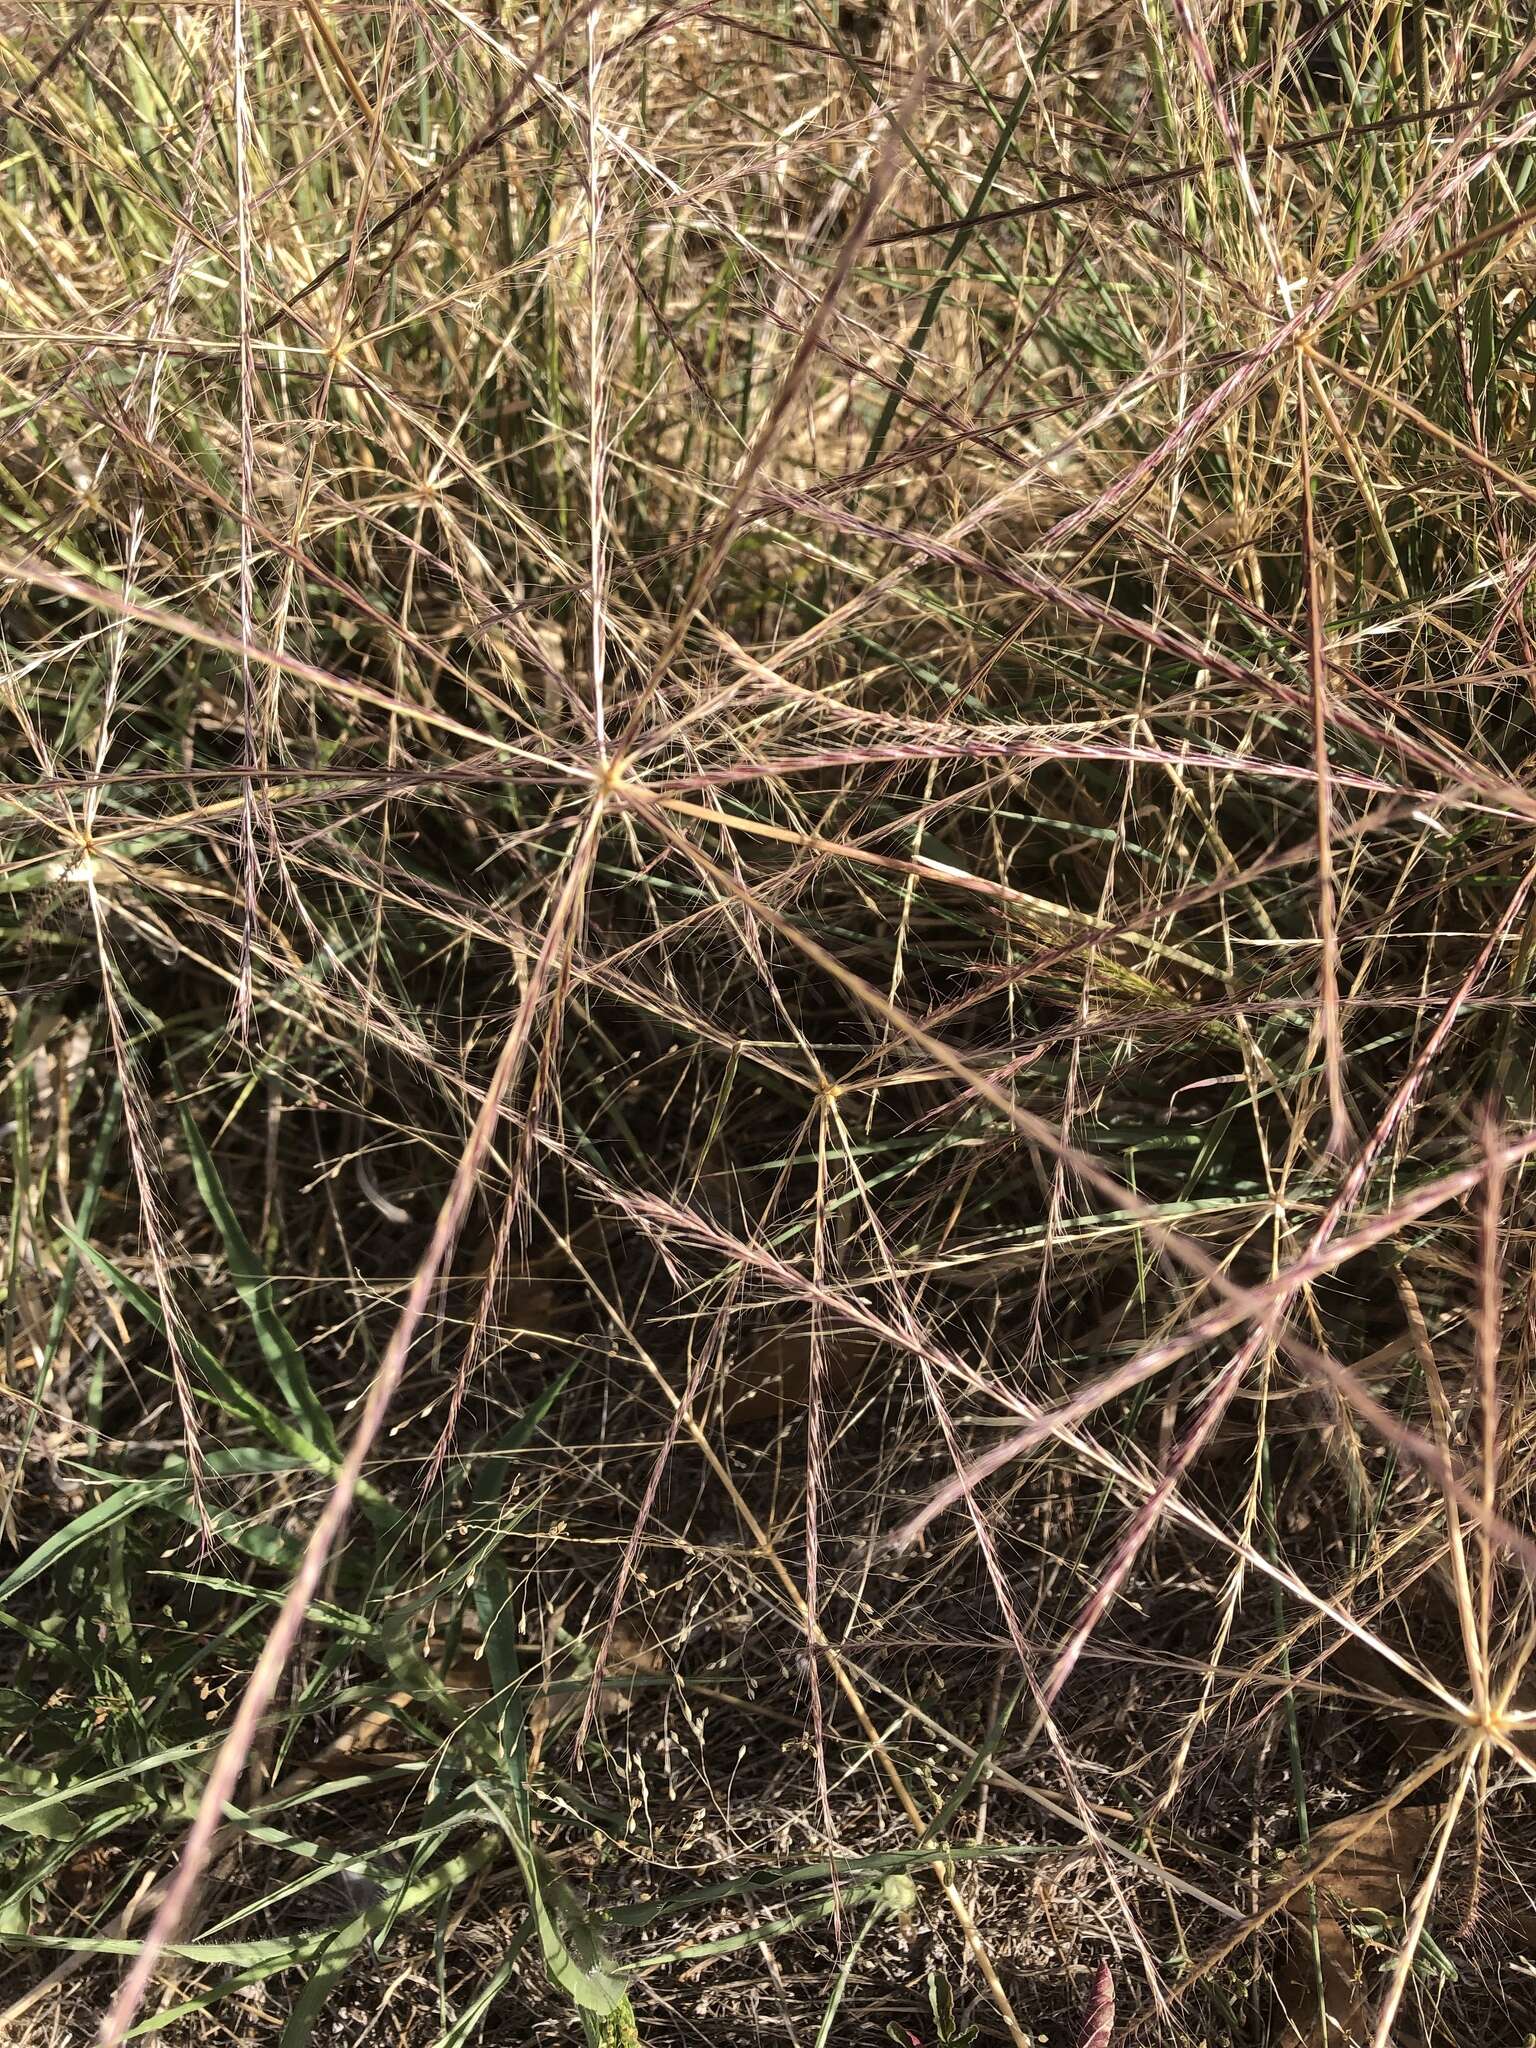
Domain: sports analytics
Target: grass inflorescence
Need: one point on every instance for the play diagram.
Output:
(768, 902)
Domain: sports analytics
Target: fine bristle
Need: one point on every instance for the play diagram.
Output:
(766, 905)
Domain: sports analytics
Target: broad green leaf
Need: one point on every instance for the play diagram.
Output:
(26, 1816)
(80, 1529)
(573, 1951)
(568, 1938)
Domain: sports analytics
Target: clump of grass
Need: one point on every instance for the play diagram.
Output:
(767, 911)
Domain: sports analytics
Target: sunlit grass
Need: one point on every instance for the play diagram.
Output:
(767, 901)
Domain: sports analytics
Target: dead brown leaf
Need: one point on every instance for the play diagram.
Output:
(1373, 1875)
(773, 1378)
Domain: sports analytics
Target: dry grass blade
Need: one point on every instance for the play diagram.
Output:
(767, 975)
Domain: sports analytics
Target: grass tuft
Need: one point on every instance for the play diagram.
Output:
(766, 932)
